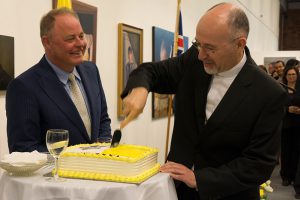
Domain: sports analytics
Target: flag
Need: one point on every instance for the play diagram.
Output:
(180, 43)
(178, 35)
(64, 3)
(178, 48)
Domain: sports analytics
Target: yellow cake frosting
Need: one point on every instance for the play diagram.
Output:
(124, 163)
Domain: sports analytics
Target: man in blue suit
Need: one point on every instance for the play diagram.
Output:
(40, 98)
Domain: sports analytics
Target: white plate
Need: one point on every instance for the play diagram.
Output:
(21, 170)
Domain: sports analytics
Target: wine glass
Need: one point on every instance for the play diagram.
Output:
(57, 141)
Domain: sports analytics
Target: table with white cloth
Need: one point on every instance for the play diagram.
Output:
(35, 187)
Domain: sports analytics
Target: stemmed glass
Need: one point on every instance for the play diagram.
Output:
(57, 141)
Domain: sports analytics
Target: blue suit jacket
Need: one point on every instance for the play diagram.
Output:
(37, 101)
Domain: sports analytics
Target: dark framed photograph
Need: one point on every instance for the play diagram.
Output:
(7, 70)
(88, 18)
(163, 42)
(130, 55)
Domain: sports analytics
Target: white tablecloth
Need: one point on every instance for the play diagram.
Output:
(35, 187)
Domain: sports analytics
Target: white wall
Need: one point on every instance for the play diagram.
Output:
(259, 56)
(20, 19)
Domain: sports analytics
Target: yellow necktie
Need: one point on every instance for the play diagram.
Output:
(79, 102)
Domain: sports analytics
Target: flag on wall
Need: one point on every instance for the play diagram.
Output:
(64, 3)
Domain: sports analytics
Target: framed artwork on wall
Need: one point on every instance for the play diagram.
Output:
(88, 18)
(130, 55)
(7, 70)
(162, 49)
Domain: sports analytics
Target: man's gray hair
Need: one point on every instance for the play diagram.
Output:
(237, 21)
(48, 20)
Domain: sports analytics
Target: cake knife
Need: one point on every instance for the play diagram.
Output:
(116, 138)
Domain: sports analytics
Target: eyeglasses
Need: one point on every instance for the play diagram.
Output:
(199, 47)
(209, 49)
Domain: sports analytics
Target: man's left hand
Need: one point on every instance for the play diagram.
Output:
(180, 172)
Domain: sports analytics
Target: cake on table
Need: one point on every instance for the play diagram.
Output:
(124, 163)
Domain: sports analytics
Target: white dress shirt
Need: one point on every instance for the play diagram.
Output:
(219, 86)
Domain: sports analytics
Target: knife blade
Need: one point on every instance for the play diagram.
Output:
(116, 138)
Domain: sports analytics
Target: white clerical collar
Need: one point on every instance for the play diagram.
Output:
(235, 70)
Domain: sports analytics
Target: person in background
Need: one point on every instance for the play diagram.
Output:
(278, 70)
(270, 68)
(290, 167)
(41, 98)
(227, 128)
(263, 68)
(290, 128)
(294, 63)
(298, 66)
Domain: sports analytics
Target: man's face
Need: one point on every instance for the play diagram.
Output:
(65, 44)
(278, 67)
(219, 50)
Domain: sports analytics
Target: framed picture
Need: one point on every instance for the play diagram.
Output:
(130, 55)
(88, 18)
(162, 49)
(6, 61)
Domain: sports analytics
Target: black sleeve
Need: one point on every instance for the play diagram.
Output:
(163, 76)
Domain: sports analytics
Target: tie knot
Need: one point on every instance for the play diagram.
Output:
(71, 77)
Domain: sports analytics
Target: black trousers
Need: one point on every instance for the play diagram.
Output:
(289, 153)
(297, 176)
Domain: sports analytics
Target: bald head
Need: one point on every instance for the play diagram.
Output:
(228, 16)
(221, 37)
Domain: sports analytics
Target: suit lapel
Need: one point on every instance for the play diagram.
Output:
(201, 89)
(56, 92)
(232, 98)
